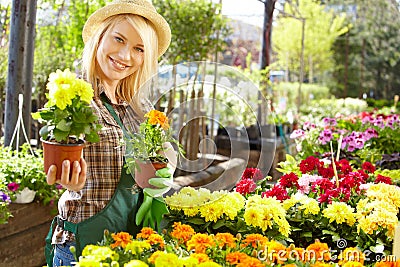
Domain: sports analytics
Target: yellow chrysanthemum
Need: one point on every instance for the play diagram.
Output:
(233, 203)
(136, 263)
(209, 264)
(253, 216)
(310, 206)
(167, 260)
(84, 90)
(340, 212)
(212, 211)
(189, 261)
(61, 88)
(137, 247)
(98, 252)
(385, 192)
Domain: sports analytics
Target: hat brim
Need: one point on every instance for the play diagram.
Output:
(161, 26)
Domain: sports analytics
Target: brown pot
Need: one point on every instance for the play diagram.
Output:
(146, 171)
(55, 154)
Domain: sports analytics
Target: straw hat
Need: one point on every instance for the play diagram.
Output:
(139, 7)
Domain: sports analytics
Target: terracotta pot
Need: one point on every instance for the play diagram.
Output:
(147, 171)
(55, 154)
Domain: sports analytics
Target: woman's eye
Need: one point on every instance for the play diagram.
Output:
(139, 49)
(118, 39)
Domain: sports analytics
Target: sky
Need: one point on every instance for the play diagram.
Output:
(249, 11)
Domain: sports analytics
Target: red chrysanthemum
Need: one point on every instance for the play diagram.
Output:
(343, 166)
(383, 179)
(245, 186)
(289, 180)
(309, 164)
(276, 191)
(252, 173)
(368, 167)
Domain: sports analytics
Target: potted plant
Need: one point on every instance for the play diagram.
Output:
(146, 148)
(68, 119)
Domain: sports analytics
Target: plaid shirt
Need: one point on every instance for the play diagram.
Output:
(105, 160)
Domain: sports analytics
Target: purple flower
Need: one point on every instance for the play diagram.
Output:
(329, 121)
(379, 122)
(370, 133)
(13, 186)
(4, 197)
(325, 136)
(308, 125)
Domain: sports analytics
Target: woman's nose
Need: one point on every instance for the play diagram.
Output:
(125, 53)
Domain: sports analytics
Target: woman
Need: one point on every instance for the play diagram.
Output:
(123, 41)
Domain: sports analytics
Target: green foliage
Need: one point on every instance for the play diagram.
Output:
(322, 27)
(193, 26)
(27, 171)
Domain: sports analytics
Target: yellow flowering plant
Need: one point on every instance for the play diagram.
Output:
(67, 116)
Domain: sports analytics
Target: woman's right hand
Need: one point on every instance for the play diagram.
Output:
(78, 175)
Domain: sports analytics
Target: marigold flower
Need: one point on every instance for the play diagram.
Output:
(122, 239)
(318, 251)
(200, 257)
(255, 240)
(351, 254)
(156, 239)
(182, 232)
(225, 240)
(145, 233)
(200, 242)
(156, 117)
(250, 262)
(235, 257)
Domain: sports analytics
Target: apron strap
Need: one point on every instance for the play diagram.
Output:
(113, 113)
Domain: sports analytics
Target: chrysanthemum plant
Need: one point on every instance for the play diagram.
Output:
(67, 116)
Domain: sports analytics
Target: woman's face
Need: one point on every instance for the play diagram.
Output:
(120, 53)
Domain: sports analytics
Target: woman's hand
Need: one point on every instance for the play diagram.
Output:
(78, 175)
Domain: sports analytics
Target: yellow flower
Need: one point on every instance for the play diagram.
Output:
(310, 206)
(339, 212)
(61, 88)
(84, 90)
(212, 211)
(98, 253)
(208, 264)
(136, 263)
(156, 117)
(353, 264)
(167, 260)
(200, 257)
(233, 203)
(137, 247)
(253, 216)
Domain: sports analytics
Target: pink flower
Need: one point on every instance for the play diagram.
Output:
(297, 134)
(245, 186)
(13, 186)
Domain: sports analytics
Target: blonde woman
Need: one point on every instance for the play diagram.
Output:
(123, 41)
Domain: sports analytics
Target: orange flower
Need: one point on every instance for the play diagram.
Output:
(200, 257)
(353, 264)
(321, 264)
(225, 239)
(182, 232)
(351, 254)
(157, 117)
(317, 251)
(156, 239)
(387, 263)
(250, 262)
(255, 240)
(145, 233)
(200, 242)
(121, 239)
(276, 252)
(235, 257)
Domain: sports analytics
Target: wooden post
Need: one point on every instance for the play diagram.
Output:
(396, 242)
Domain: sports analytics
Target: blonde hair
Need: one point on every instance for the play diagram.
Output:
(128, 88)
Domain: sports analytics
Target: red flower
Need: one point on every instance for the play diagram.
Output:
(321, 185)
(252, 173)
(289, 180)
(13, 186)
(309, 164)
(245, 186)
(276, 191)
(368, 167)
(343, 166)
(352, 180)
(326, 172)
(383, 179)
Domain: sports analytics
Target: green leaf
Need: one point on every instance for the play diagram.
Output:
(164, 173)
(63, 125)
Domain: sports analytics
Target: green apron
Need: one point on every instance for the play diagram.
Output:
(118, 215)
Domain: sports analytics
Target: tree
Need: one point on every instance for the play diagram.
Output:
(322, 27)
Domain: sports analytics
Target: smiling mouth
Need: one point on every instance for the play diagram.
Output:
(118, 64)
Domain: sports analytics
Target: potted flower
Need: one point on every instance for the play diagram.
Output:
(68, 119)
(146, 148)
